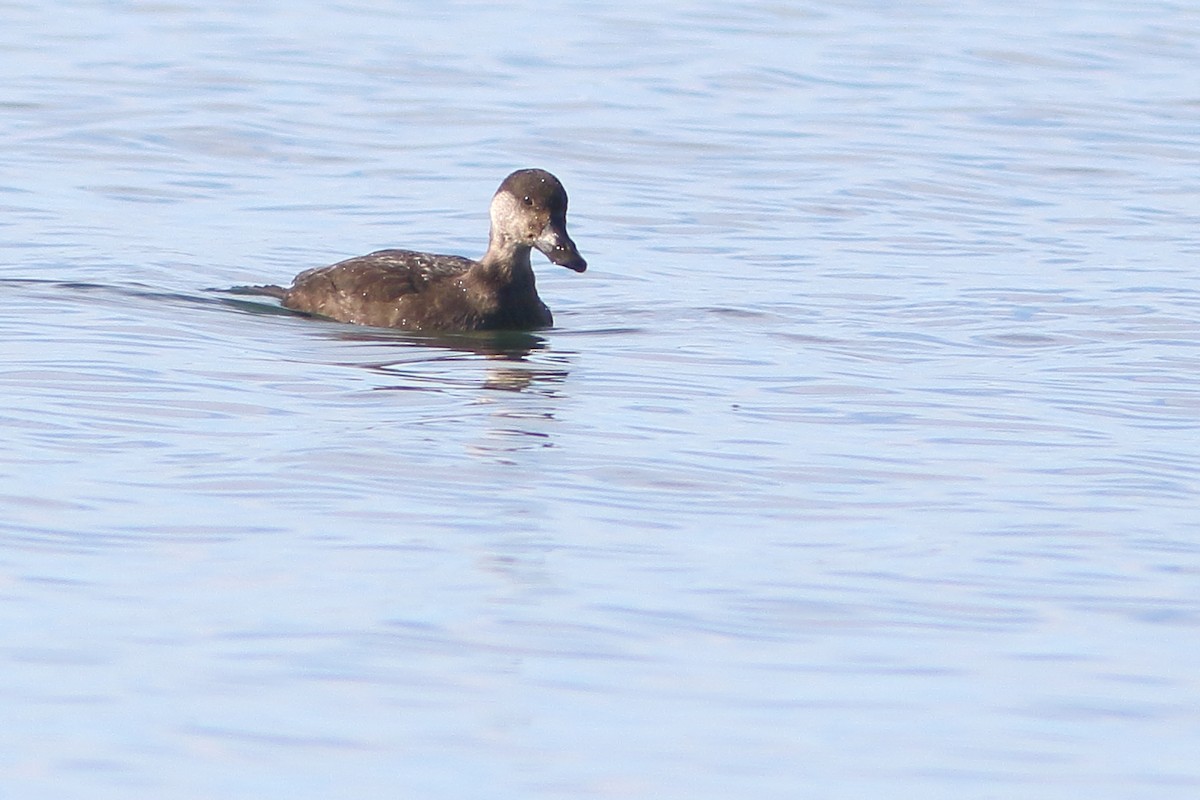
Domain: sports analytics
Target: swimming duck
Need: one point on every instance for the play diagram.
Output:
(425, 292)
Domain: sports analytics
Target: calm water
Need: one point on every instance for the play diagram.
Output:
(863, 462)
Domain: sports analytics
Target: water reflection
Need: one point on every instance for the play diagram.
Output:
(410, 376)
(504, 345)
(506, 355)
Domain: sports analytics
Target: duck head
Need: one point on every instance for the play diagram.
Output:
(530, 210)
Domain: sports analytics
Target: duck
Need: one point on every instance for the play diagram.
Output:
(418, 291)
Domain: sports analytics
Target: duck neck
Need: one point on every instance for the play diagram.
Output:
(506, 263)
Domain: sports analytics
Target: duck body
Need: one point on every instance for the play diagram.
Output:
(417, 291)
(426, 291)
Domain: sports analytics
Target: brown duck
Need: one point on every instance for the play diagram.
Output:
(426, 292)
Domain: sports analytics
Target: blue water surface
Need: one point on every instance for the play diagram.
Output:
(864, 460)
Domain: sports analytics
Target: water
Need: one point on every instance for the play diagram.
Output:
(863, 460)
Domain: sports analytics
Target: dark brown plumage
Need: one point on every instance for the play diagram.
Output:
(425, 291)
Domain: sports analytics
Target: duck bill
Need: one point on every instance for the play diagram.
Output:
(557, 246)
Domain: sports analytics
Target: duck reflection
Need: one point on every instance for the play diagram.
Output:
(509, 367)
(503, 345)
(452, 364)
(422, 359)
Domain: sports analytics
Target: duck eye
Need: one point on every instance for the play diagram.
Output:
(527, 200)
